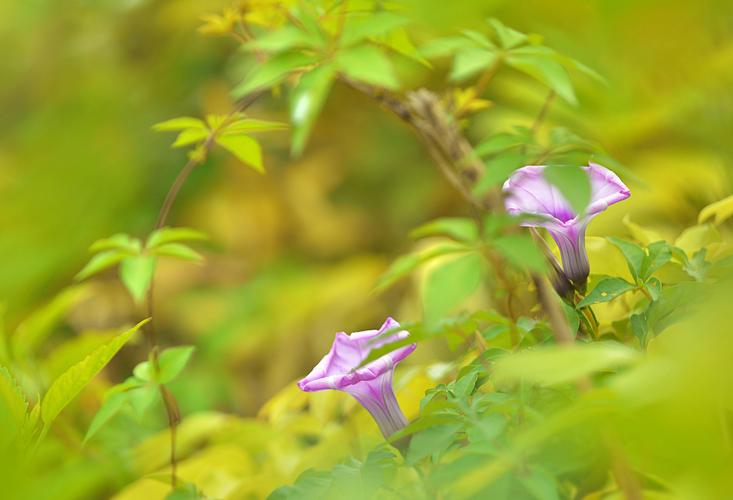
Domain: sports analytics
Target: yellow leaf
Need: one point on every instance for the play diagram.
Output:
(641, 234)
(694, 238)
(721, 210)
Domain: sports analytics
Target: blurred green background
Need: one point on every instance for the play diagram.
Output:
(295, 254)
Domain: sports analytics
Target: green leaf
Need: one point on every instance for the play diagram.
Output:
(442, 47)
(640, 328)
(190, 136)
(13, 405)
(273, 71)
(172, 362)
(697, 267)
(246, 125)
(449, 284)
(479, 39)
(541, 484)
(136, 274)
(143, 371)
(370, 25)
(675, 302)
(245, 148)
(173, 234)
(367, 64)
(539, 65)
(117, 242)
(654, 288)
(178, 251)
(399, 41)
(606, 290)
(633, 254)
(508, 37)
(286, 38)
(141, 398)
(182, 123)
(102, 261)
(407, 263)
(109, 409)
(41, 323)
(433, 440)
(471, 61)
(65, 388)
(658, 254)
(306, 102)
(498, 143)
(498, 169)
(457, 228)
(520, 250)
(562, 364)
(573, 183)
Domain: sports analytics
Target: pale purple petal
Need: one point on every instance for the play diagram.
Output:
(370, 384)
(528, 192)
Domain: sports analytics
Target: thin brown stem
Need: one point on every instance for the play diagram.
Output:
(169, 400)
(485, 79)
(543, 112)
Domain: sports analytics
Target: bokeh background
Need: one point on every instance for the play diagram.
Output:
(294, 255)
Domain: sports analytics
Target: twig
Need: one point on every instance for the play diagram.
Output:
(169, 400)
(543, 111)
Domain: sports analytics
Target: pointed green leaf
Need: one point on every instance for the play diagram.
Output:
(247, 125)
(607, 289)
(190, 136)
(172, 361)
(405, 264)
(117, 242)
(443, 47)
(273, 71)
(541, 66)
(457, 228)
(102, 261)
(109, 409)
(449, 284)
(658, 254)
(65, 388)
(178, 251)
(368, 64)
(520, 250)
(370, 25)
(633, 254)
(174, 234)
(306, 102)
(136, 274)
(245, 148)
(182, 123)
(508, 37)
(42, 322)
(471, 61)
(286, 38)
(13, 404)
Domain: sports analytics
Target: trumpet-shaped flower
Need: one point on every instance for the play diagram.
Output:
(529, 192)
(370, 384)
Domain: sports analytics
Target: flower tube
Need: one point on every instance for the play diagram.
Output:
(529, 192)
(370, 384)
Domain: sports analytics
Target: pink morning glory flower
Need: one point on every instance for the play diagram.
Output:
(529, 192)
(370, 384)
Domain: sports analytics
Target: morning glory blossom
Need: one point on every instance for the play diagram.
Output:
(529, 192)
(370, 384)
